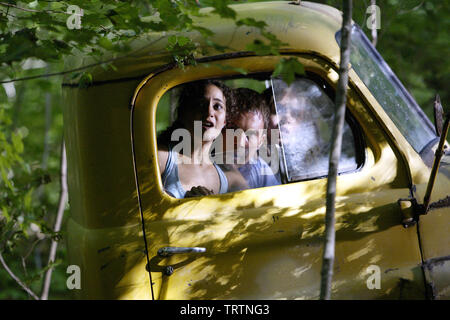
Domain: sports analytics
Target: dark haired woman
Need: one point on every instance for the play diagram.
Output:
(195, 174)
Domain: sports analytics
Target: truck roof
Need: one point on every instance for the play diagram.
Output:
(308, 27)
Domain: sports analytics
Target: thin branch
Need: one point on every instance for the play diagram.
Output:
(30, 10)
(15, 278)
(335, 154)
(59, 216)
(58, 73)
(411, 10)
(6, 13)
(374, 24)
(31, 248)
(81, 68)
(24, 265)
(363, 17)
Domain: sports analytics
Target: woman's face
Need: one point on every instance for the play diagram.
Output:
(211, 111)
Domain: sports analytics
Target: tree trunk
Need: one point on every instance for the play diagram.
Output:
(335, 153)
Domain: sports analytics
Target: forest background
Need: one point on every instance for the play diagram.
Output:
(413, 39)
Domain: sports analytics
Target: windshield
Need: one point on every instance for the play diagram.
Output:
(389, 92)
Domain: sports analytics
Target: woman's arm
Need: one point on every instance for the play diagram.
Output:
(235, 179)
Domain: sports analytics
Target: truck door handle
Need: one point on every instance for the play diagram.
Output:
(169, 251)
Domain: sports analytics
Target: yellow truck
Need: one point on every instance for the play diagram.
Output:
(131, 240)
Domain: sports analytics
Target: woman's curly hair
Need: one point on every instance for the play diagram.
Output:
(244, 100)
(191, 96)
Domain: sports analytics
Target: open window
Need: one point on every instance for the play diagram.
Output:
(297, 137)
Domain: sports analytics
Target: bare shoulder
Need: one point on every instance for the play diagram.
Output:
(235, 179)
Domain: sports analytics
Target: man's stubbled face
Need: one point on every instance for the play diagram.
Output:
(252, 137)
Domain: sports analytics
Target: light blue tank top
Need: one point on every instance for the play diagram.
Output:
(172, 184)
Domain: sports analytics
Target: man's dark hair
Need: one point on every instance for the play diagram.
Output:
(193, 93)
(268, 95)
(244, 100)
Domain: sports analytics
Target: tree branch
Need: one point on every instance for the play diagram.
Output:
(80, 68)
(6, 13)
(10, 5)
(59, 216)
(15, 278)
(335, 154)
(411, 10)
(374, 25)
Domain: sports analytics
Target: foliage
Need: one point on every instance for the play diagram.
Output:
(285, 69)
(22, 223)
(39, 29)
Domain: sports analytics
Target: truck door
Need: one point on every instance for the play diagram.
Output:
(266, 243)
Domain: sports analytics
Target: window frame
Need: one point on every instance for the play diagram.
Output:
(358, 135)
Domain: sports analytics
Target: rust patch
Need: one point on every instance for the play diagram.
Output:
(103, 249)
(442, 203)
(104, 266)
(390, 269)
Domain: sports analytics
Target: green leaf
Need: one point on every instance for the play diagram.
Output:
(75, 75)
(250, 22)
(17, 142)
(261, 49)
(182, 50)
(222, 9)
(203, 31)
(215, 45)
(105, 43)
(5, 213)
(287, 69)
(27, 200)
(172, 40)
(5, 179)
(85, 80)
(182, 41)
